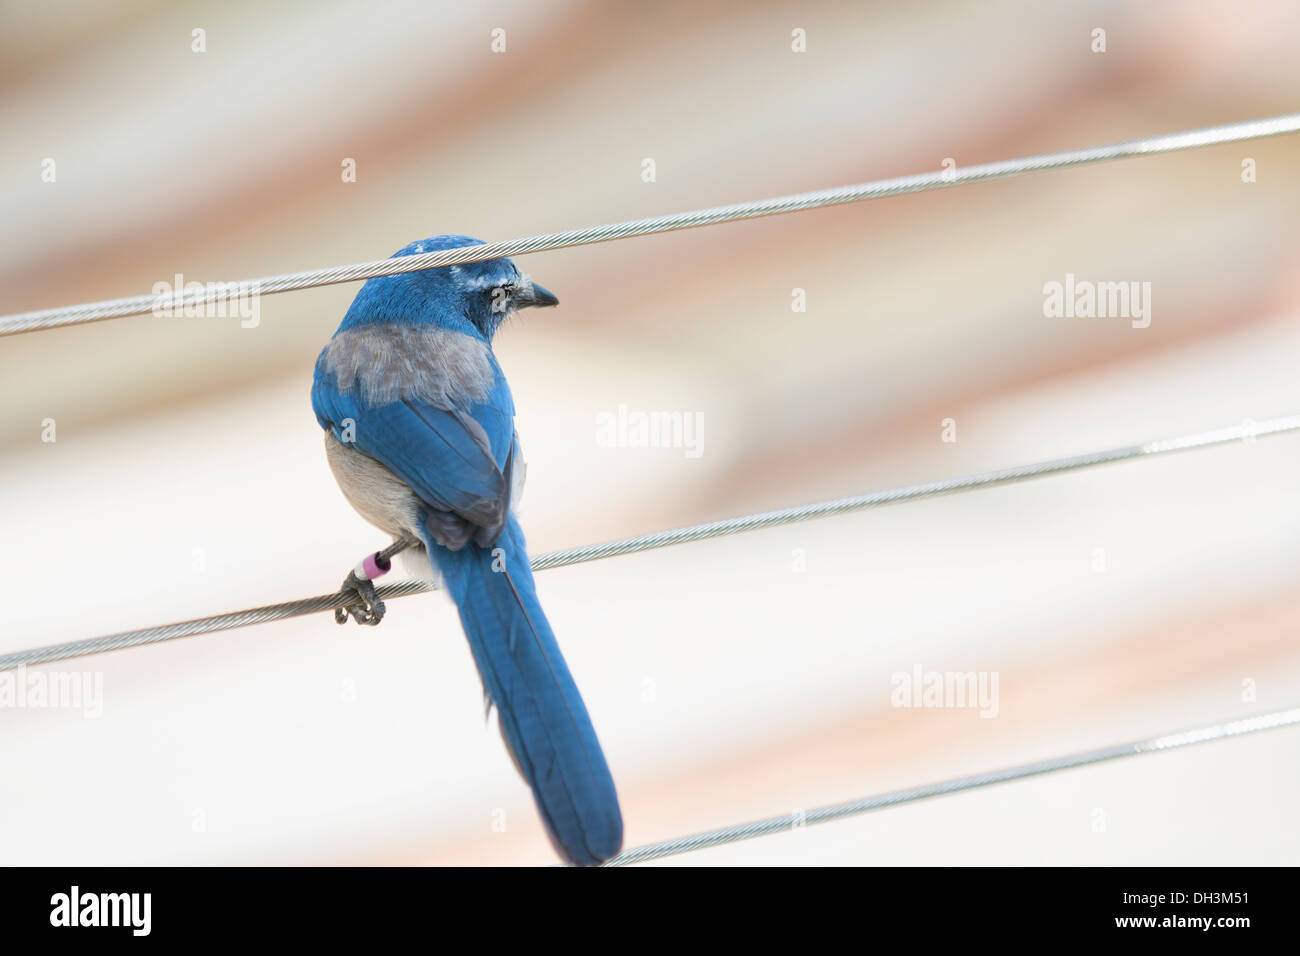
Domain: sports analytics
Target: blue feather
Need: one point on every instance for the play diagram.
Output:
(543, 719)
(456, 451)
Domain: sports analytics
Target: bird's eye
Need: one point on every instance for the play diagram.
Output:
(501, 295)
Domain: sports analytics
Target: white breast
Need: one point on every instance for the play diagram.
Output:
(376, 493)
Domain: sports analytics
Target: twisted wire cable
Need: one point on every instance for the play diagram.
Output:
(918, 182)
(1246, 431)
(839, 811)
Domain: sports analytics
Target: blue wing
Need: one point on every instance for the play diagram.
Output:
(456, 459)
(459, 460)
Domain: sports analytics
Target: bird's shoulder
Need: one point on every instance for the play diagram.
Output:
(424, 364)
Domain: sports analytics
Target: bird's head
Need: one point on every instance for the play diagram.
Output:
(483, 294)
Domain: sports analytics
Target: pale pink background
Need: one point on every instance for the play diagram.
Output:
(188, 477)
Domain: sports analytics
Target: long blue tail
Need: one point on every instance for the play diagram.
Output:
(543, 719)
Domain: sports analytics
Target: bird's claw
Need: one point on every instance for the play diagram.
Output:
(367, 608)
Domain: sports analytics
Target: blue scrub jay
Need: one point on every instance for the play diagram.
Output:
(419, 432)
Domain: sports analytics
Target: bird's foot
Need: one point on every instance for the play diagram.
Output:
(366, 608)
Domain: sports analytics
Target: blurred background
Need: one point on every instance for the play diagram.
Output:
(728, 680)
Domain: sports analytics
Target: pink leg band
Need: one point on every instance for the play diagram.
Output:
(369, 568)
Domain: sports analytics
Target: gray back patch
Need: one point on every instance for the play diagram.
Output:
(389, 363)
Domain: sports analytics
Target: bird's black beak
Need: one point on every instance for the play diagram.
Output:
(536, 295)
